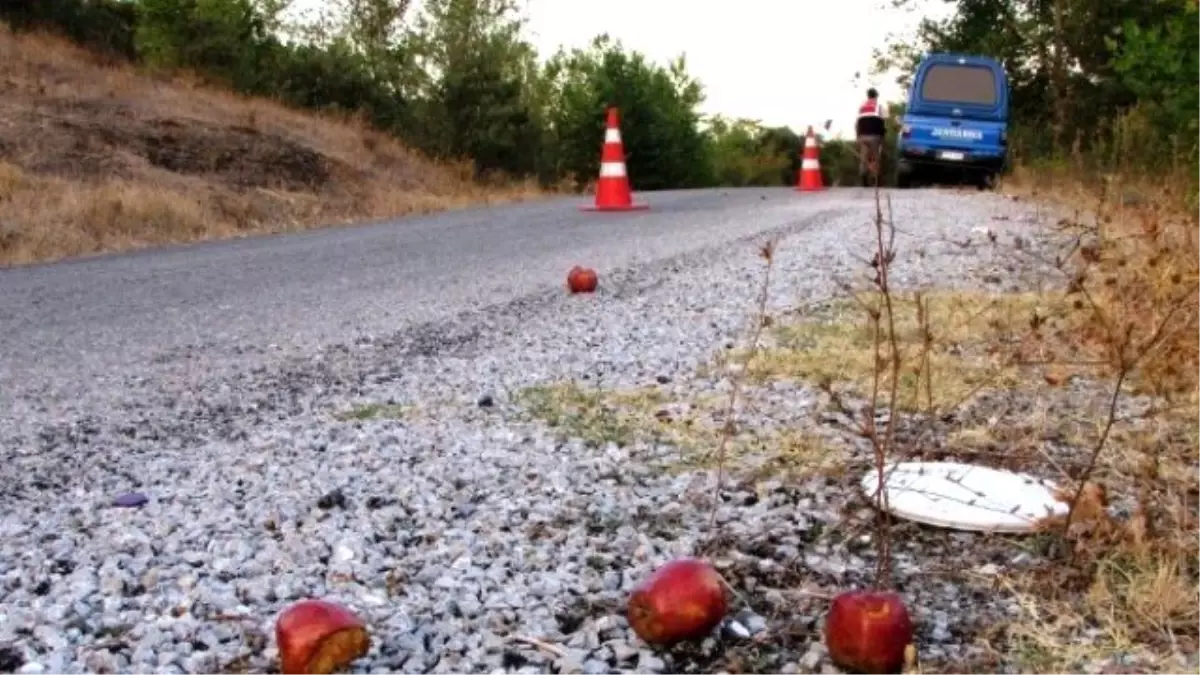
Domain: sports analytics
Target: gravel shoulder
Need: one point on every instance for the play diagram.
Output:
(406, 476)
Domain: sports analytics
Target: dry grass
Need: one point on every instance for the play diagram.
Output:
(95, 156)
(1135, 611)
(1135, 271)
(1127, 601)
(947, 342)
(598, 416)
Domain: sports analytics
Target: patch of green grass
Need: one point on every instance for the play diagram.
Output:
(373, 411)
(695, 428)
(595, 416)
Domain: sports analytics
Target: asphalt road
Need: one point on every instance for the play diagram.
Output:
(297, 290)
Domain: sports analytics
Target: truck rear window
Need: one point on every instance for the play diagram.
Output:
(959, 84)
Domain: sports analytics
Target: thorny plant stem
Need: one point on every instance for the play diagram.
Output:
(1109, 422)
(1125, 369)
(760, 321)
(884, 253)
(926, 367)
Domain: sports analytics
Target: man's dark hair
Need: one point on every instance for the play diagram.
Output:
(871, 93)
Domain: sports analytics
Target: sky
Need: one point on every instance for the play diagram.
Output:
(783, 62)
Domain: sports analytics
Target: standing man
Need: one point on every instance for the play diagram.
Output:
(869, 132)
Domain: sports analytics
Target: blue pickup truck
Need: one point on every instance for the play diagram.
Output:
(956, 122)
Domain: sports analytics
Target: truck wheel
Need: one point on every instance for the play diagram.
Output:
(904, 175)
(986, 180)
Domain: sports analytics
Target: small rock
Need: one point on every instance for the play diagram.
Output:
(332, 499)
(572, 665)
(11, 658)
(486, 401)
(812, 659)
(649, 663)
(623, 652)
(989, 570)
(753, 622)
(734, 628)
(131, 500)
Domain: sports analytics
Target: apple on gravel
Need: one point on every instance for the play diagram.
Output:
(318, 636)
(868, 631)
(682, 600)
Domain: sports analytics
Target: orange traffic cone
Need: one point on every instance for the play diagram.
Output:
(612, 190)
(810, 166)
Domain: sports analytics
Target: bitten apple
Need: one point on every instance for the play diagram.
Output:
(682, 600)
(868, 631)
(317, 636)
(582, 279)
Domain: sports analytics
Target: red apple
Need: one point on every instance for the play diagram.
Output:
(316, 636)
(682, 600)
(868, 631)
(582, 279)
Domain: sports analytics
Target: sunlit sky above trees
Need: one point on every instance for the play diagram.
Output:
(785, 62)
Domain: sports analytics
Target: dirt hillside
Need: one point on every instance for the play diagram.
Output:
(99, 157)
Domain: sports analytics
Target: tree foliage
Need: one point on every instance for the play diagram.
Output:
(664, 147)
(745, 153)
(1084, 72)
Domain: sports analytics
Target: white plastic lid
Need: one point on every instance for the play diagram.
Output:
(965, 496)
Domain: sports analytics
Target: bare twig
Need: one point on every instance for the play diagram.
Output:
(767, 253)
(925, 368)
(539, 644)
(1125, 367)
(884, 255)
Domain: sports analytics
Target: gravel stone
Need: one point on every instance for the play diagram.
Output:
(462, 522)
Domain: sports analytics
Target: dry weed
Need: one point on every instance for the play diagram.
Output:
(1126, 600)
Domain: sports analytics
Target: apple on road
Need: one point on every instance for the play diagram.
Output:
(582, 279)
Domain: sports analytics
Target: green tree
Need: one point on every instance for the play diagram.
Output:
(376, 30)
(475, 65)
(337, 77)
(225, 39)
(744, 153)
(1076, 67)
(786, 144)
(1159, 66)
(658, 106)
